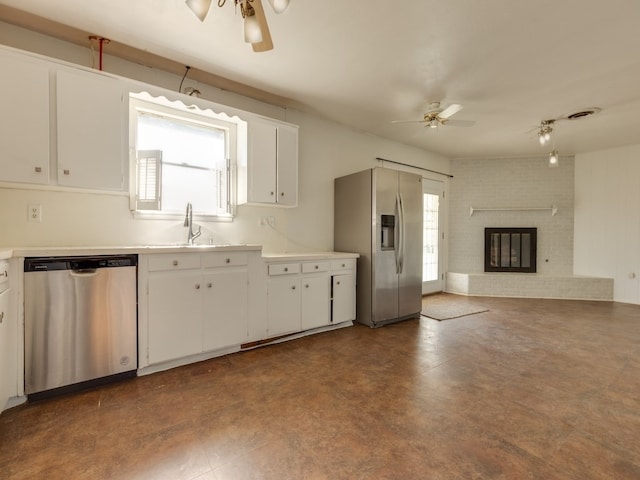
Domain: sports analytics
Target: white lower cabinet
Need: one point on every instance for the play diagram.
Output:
(5, 385)
(283, 305)
(315, 301)
(175, 315)
(8, 337)
(310, 294)
(202, 304)
(343, 300)
(195, 303)
(225, 307)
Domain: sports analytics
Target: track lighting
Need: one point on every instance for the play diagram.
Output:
(544, 133)
(553, 158)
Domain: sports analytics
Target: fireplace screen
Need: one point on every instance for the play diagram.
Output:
(510, 250)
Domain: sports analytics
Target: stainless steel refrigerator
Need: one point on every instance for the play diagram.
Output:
(378, 214)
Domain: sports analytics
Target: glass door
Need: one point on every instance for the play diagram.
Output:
(432, 280)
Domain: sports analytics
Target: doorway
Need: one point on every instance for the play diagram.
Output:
(433, 214)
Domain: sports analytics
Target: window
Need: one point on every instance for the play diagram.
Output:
(181, 155)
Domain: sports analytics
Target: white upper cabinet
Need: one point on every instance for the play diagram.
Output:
(287, 165)
(91, 127)
(270, 176)
(24, 120)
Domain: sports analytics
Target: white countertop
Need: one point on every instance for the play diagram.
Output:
(7, 252)
(114, 250)
(293, 257)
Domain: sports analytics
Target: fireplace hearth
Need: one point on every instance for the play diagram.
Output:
(510, 249)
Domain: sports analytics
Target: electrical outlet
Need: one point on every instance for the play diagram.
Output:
(267, 221)
(34, 213)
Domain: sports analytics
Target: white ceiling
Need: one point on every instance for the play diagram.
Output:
(510, 63)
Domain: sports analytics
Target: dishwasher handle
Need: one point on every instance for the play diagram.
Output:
(84, 272)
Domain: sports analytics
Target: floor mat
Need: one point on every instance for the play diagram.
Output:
(446, 306)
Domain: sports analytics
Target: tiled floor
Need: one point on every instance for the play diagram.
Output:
(532, 389)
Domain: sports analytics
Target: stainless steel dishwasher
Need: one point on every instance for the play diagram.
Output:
(80, 322)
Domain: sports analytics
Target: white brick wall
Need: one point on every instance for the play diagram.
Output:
(511, 182)
(530, 285)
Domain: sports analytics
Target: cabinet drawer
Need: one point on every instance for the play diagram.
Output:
(4, 307)
(284, 269)
(224, 259)
(4, 275)
(310, 267)
(179, 261)
(344, 264)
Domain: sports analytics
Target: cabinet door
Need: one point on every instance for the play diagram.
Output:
(24, 121)
(343, 306)
(262, 162)
(315, 299)
(90, 123)
(283, 305)
(225, 317)
(6, 362)
(287, 165)
(175, 315)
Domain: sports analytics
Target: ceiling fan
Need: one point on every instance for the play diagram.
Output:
(256, 30)
(437, 116)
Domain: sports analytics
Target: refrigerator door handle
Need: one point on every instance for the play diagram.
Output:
(401, 234)
(397, 234)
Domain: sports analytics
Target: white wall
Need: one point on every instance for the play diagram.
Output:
(511, 182)
(607, 218)
(327, 150)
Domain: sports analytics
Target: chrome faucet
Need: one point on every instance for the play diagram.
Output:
(188, 222)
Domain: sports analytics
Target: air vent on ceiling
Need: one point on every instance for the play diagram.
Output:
(583, 113)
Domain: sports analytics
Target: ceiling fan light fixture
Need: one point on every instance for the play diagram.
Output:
(252, 31)
(553, 158)
(199, 7)
(279, 6)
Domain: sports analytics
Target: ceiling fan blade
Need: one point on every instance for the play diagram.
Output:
(266, 44)
(458, 123)
(450, 110)
(407, 121)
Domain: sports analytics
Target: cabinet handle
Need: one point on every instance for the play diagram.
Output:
(1, 316)
(271, 193)
(286, 269)
(316, 267)
(197, 286)
(282, 194)
(209, 285)
(175, 263)
(293, 287)
(66, 172)
(306, 286)
(337, 283)
(38, 169)
(228, 260)
(4, 274)
(343, 265)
